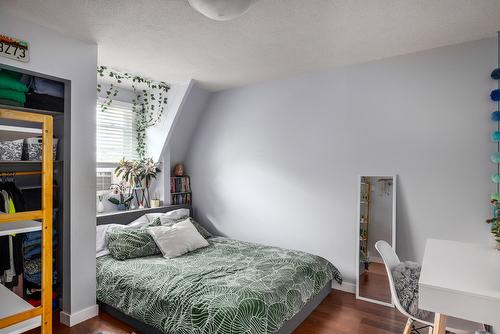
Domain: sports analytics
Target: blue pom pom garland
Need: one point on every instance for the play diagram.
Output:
(495, 136)
(495, 75)
(495, 116)
(495, 95)
(495, 157)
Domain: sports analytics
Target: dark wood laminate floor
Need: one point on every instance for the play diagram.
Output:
(342, 313)
(339, 313)
(374, 283)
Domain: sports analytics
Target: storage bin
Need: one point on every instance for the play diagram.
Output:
(32, 148)
(11, 150)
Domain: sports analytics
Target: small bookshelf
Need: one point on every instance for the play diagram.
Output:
(180, 190)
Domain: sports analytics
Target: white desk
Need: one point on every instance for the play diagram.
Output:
(460, 280)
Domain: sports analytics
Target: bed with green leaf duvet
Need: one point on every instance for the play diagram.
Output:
(228, 287)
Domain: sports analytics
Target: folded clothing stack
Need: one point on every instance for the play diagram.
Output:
(32, 251)
(12, 90)
(45, 94)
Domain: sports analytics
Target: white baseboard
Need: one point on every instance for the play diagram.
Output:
(80, 316)
(345, 286)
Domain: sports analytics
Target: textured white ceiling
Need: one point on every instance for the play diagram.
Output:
(167, 40)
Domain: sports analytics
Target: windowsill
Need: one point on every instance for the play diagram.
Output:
(145, 210)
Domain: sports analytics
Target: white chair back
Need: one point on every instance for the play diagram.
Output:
(391, 260)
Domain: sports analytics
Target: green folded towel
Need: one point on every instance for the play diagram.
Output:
(7, 81)
(12, 74)
(13, 95)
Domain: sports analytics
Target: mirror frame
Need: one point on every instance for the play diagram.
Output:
(358, 225)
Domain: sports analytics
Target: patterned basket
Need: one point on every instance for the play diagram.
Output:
(11, 150)
(32, 148)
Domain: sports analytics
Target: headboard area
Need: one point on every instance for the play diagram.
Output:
(125, 217)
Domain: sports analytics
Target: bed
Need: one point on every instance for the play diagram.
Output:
(228, 287)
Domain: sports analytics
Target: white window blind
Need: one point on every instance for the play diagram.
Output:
(116, 133)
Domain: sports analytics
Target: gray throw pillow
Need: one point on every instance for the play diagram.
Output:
(129, 243)
(406, 276)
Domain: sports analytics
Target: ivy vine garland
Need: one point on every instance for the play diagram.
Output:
(149, 102)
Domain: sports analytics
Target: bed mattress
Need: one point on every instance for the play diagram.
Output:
(228, 287)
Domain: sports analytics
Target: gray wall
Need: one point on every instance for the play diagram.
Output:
(277, 162)
(56, 55)
(186, 125)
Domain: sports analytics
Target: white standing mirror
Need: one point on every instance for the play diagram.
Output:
(376, 221)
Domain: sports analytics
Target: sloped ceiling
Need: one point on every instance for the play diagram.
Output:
(167, 40)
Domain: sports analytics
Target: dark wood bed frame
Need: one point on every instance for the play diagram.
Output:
(126, 217)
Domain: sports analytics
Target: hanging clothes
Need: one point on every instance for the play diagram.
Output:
(16, 196)
(21, 254)
(4, 242)
(9, 273)
(11, 261)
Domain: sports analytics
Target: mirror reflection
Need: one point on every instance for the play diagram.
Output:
(376, 222)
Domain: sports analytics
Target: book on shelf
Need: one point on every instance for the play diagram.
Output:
(180, 184)
(180, 199)
(180, 189)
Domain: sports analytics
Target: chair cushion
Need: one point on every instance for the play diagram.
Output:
(406, 276)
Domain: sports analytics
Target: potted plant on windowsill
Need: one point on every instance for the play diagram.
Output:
(149, 171)
(123, 201)
(139, 176)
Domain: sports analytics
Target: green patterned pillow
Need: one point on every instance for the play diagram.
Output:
(129, 243)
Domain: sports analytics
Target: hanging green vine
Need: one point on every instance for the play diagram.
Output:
(149, 102)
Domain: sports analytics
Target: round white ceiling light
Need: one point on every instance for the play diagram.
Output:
(221, 10)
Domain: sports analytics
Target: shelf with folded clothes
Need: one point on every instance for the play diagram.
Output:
(48, 96)
(33, 92)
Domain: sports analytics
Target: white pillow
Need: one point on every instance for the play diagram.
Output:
(101, 244)
(141, 221)
(177, 214)
(171, 215)
(177, 239)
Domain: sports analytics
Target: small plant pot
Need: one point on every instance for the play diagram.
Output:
(122, 207)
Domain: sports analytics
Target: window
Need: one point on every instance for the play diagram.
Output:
(104, 179)
(116, 138)
(116, 134)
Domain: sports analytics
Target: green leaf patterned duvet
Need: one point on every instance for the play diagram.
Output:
(227, 287)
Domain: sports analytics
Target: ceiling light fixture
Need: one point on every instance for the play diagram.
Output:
(221, 10)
